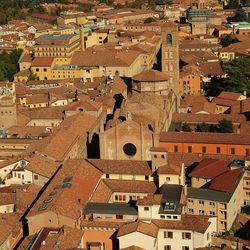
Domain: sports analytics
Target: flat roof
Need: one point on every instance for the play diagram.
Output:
(110, 208)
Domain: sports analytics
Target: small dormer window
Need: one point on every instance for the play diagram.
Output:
(169, 206)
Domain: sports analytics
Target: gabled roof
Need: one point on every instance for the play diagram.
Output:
(72, 130)
(41, 165)
(149, 229)
(210, 168)
(226, 181)
(230, 95)
(150, 200)
(122, 166)
(104, 58)
(169, 169)
(195, 223)
(68, 200)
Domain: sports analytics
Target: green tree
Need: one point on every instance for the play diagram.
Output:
(213, 128)
(32, 76)
(1, 181)
(225, 126)
(227, 40)
(232, 4)
(186, 127)
(2, 18)
(108, 2)
(9, 64)
(85, 7)
(203, 127)
(237, 80)
(3, 72)
(240, 15)
(149, 20)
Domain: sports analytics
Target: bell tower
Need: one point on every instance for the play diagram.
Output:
(170, 56)
(81, 20)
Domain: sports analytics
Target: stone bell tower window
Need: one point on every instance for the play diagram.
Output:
(169, 39)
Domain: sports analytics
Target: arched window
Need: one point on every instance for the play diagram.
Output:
(169, 39)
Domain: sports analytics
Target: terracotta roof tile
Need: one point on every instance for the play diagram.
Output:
(230, 95)
(210, 168)
(188, 222)
(226, 181)
(69, 238)
(151, 76)
(145, 228)
(169, 169)
(131, 186)
(7, 199)
(102, 193)
(224, 102)
(150, 200)
(42, 62)
(41, 165)
(9, 225)
(69, 201)
(104, 58)
(71, 131)
(122, 166)
(25, 131)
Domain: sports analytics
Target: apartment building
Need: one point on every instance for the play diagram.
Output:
(216, 190)
(161, 225)
(60, 47)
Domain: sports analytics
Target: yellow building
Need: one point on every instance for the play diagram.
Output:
(56, 31)
(35, 101)
(42, 66)
(60, 47)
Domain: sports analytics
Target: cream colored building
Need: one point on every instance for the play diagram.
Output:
(224, 205)
(189, 233)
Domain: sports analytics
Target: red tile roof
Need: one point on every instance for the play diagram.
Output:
(122, 166)
(170, 169)
(43, 17)
(149, 229)
(230, 95)
(210, 168)
(188, 222)
(226, 181)
(151, 76)
(42, 62)
(69, 201)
